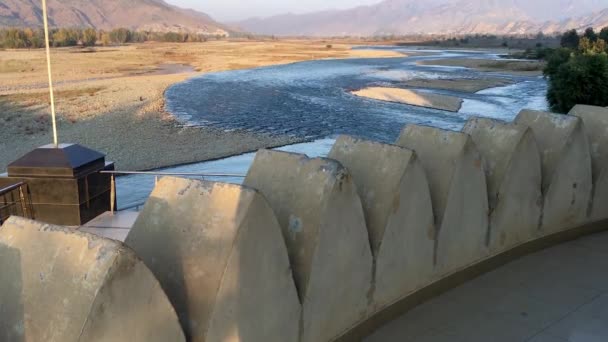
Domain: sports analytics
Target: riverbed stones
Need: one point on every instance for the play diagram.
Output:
(595, 120)
(398, 211)
(566, 168)
(65, 285)
(323, 224)
(458, 188)
(513, 172)
(218, 252)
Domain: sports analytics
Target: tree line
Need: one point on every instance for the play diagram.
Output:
(577, 72)
(30, 38)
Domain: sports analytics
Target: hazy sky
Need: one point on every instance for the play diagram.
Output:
(227, 10)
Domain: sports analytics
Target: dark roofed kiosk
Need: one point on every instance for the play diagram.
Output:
(65, 183)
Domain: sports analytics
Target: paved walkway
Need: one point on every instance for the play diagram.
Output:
(556, 295)
(112, 225)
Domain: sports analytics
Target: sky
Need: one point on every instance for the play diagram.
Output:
(231, 10)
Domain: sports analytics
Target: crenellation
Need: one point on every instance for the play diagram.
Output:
(566, 168)
(397, 204)
(459, 193)
(311, 249)
(513, 170)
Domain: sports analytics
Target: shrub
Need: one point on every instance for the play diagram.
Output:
(583, 79)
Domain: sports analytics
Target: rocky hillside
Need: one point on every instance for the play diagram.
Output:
(439, 17)
(154, 15)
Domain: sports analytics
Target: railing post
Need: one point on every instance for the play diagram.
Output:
(112, 193)
(12, 204)
(29, 201)
(23, 204)
(2, 209)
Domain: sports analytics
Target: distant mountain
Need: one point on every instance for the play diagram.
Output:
(155, 15)
(438, 17)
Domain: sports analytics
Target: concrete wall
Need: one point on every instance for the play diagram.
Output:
(398, 212)
(596, 125)
(323, 225)
(458, 191)
(566, 167)
(217, 250)
(322, 246)
(63, 285)
(513, 170)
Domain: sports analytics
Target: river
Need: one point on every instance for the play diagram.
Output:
(312, 100)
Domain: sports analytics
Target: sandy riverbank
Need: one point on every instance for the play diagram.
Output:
(411, 97)
(112, 99)
(459, 84)
(515, 67)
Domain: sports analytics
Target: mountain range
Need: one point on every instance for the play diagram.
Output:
(438, 17)
(152, 15)
(388, 17)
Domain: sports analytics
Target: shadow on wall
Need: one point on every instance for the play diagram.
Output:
(61, 285)
(12, 322)
(218, 252)
(322, 249)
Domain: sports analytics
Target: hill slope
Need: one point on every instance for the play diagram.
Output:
(154, 15)
(438, 16)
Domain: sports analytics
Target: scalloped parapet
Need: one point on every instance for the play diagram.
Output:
(566, 168)
(323, 225)
(218, 252)
(513, 171)
(398, 211)
(458, 191)
(596, 125)
(65, 285)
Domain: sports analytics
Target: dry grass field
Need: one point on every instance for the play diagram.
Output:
(112, 99)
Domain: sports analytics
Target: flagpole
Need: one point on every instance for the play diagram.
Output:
(48, 63)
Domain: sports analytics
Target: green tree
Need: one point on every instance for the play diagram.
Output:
(590, 34)
(570, 40)
(120, 36)
(173, 37)
(89, 37)
(583, 79)
(65, 37)
(14, 39)
(105, 39)
(604, 34)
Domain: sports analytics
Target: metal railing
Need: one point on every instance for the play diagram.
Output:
(15, 200)
(156, 175)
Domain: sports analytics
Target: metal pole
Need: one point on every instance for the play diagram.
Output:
(48, 63)
(112, 193)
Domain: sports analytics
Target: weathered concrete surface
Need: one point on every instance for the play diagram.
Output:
(71, 286)
(398, 211)
(513, 171)
(218, 252)
(595, 120)
(458, 191)
(11, 305)
(323, 225)
(566, 167)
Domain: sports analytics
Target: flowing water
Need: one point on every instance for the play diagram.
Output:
(312, 100)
